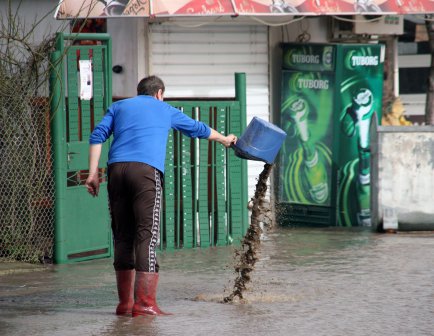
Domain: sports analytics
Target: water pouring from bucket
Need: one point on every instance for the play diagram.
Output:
(260, 141)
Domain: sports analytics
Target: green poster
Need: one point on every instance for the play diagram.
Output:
(359, 99)
(306, 116)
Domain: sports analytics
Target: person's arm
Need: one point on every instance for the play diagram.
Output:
(92, 181)
(99, 135)
(226, 141)
(197, 129)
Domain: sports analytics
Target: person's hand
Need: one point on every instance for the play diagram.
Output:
(92, 184)
(229, 140)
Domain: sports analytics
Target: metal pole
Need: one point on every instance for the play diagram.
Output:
(241, 96)
(58, 141)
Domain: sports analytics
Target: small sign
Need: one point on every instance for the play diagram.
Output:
(85, 80)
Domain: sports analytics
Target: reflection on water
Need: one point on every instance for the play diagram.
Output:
(317, 282)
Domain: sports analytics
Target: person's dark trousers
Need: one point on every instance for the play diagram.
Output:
(135, 191)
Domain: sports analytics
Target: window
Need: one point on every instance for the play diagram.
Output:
(414, 63)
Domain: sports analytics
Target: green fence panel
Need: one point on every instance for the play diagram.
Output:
(82, 223)
(209, 181)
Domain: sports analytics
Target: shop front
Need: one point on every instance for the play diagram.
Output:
(197, 46)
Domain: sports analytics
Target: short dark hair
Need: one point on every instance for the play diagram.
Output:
(150, 85)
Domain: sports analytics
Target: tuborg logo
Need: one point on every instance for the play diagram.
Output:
(318, 84)
(364, 61)
(305, 59)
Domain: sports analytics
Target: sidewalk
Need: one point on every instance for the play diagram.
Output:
(9, 268)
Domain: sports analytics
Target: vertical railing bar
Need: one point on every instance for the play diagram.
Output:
(221, 220)
(240, 96)
(59, 152)
(73, 98)
(196, 182)
(228, 180)
(225, 179)
(213, 189)
(204, 187)
(188, 219)
(178, 187)
(169, 192)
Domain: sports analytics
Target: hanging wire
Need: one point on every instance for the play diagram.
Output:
(354, 20)
(282, 33)
(200, 24)
(304, 36)
(277, 24)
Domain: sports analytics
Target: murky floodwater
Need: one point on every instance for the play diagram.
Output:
(306, 282)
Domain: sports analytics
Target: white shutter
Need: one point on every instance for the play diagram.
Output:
(201, 62)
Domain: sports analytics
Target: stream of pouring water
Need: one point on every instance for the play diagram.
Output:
(247, 255)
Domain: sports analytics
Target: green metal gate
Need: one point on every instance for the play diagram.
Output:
(205, 188)
(205, 185)
(82, 223)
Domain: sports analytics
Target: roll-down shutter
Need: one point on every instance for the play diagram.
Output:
(201, 61)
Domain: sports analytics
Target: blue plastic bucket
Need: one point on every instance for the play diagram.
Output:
(260, 141)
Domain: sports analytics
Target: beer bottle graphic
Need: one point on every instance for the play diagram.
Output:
(327, 58)
(316, 177)
(358, 118)
(313, 172)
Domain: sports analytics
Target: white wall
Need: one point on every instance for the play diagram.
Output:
(403, 176)
(128, 50)
(30, 13)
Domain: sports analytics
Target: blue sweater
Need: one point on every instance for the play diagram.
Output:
(140, 127)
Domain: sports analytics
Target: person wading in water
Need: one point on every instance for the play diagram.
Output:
(140, 128)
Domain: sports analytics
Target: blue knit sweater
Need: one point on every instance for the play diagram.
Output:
(140, 127)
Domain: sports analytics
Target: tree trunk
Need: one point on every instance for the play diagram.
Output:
(389, 81)
(429, 107)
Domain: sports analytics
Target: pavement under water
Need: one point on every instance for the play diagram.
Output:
(330, 281)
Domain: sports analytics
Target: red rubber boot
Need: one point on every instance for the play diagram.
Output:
(145, 293)
(125, 284)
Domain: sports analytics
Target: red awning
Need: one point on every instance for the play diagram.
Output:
(333, 7)
(68, 9)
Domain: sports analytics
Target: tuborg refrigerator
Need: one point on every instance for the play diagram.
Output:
(330, 94)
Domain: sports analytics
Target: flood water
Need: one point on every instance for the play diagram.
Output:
(331, 281)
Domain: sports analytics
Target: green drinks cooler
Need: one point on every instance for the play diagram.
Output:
(330, 95)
